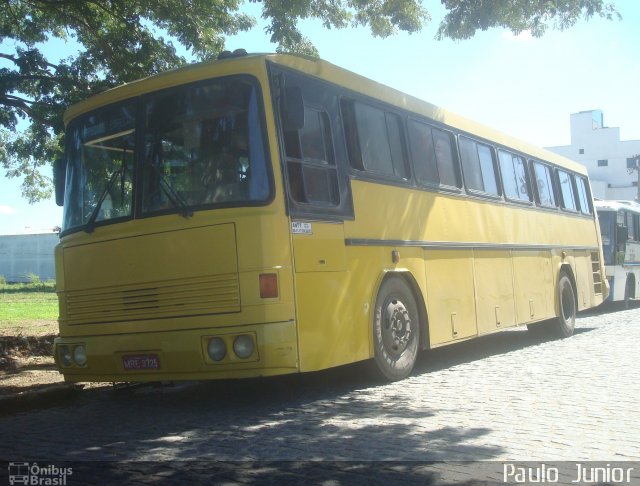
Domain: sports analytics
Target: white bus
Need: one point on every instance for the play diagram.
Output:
(620, 228)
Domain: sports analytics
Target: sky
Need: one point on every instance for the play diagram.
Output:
(524, 86)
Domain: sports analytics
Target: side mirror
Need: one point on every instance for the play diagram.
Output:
(59, 180)
(293, 108)
(622, 234)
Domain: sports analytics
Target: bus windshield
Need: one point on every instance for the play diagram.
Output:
(179, 150)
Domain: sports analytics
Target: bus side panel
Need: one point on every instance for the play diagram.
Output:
(331, 324)
(328, 335)
(533, 285)
(495, 306)
(450, 295)
(335, 309)
(583, 274)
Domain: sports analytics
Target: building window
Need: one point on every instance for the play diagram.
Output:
(603, 163)
(581, 151)
(632, 163)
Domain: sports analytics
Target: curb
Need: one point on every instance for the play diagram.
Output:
(41, 398)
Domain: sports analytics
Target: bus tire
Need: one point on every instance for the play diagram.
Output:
(396, 330)
(564, 325)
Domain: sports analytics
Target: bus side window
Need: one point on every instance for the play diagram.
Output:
(375, 140)
(310, 161)
(478, 166)
(514, 176)
(566, 191)
(544, 185)
(583, 195)
(632, 220)
(432, 154)
(447, 162)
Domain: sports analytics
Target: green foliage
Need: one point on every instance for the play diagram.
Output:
(466, 17)
(124, 40)
(33, 278)
(34, 285)
(3, 281)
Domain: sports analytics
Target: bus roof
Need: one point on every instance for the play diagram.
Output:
(632, 206)
(323, 70)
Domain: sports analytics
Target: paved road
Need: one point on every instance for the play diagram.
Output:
(507, 397)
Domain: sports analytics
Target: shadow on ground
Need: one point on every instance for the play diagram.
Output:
(335, 415)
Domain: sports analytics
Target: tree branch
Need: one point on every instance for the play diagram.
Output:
(16, 61)
(55, 79)
(25, 106)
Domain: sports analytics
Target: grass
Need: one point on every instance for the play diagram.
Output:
(28, 311)
(28, 323)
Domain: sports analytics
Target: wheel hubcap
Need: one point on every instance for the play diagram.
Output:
(396, 328)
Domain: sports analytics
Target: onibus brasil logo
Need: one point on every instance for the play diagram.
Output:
(36, 475)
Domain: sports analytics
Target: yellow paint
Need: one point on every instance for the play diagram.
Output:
(321, 251)
(534, 287)
(495, 308)
(450, 298)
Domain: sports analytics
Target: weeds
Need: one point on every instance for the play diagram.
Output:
(34, 285)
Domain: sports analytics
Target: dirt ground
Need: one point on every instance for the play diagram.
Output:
(26, 362)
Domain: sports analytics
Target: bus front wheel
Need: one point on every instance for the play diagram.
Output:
(396, 329)
(564, 325)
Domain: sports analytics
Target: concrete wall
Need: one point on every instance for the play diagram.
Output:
(21, 255)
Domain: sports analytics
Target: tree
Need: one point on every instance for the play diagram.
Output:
(123, 40)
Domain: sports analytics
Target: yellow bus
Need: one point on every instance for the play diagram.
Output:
(267, 214)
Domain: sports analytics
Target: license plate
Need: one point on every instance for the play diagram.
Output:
(141, 362)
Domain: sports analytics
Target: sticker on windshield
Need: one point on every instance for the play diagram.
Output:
(298, 228)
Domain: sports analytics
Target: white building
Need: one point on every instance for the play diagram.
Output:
(606, 157)
(25, 255)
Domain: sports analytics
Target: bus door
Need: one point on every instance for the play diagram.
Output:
(318, 201)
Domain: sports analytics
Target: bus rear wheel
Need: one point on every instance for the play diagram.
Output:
(396, 329)
(564, 325)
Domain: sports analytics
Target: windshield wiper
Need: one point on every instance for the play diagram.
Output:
(174, 196)
(91, 222)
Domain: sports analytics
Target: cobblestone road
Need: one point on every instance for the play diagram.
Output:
(507, 397)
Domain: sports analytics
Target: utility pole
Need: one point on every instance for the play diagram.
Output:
(636, 168)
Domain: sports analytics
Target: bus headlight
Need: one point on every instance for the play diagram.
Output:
(216, 349)
(65, 355)
(80, 355)
(243, 346)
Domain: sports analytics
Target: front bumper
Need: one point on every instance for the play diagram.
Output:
(179, 355)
